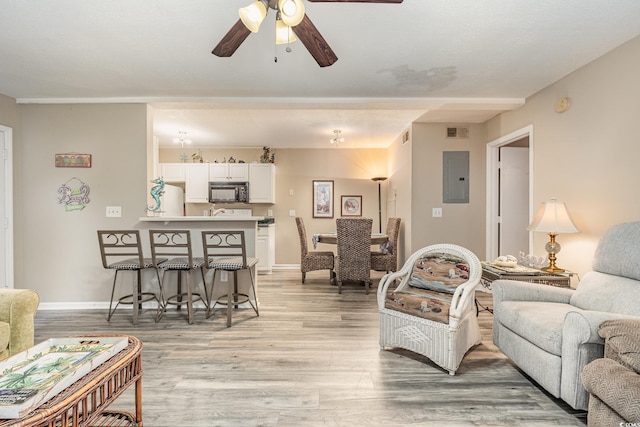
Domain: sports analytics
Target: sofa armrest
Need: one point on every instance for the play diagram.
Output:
(18, 308)
(615, 385)
(515, 290)
(581, 344)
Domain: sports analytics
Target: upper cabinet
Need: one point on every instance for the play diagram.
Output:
(262, 183)
(196, 187)
(172, 172)
(235, 172)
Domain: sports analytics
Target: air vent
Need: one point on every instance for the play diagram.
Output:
(457, 132)
(405, 137)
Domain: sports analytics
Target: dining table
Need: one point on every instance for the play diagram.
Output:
(332, 239)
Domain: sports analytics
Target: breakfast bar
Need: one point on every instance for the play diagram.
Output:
(197, 224)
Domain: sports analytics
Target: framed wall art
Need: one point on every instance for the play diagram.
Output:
(351, 205)
(73, 160)
(322, 199)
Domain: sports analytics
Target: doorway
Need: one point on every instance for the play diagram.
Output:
(6, 207)
(509, 193)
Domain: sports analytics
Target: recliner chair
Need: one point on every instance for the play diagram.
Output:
(552, 333)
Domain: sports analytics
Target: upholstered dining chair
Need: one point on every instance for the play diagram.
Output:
(121, 250)
(354, 251)
(176, 245)
(312, 260)
(226, 251)
(387, 258)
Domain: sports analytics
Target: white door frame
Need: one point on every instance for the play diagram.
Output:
(493, 149)
(6, 139)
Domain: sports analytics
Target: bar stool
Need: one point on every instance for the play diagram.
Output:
(225, 252)
(121, 250)
(177, 244)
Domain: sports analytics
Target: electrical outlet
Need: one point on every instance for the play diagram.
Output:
(292, 212)
(114, 211)
(436, 212)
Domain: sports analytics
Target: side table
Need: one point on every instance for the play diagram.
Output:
(491, 272)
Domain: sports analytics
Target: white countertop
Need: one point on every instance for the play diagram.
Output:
(200, 218)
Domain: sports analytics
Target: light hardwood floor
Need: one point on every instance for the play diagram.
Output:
(311, 359)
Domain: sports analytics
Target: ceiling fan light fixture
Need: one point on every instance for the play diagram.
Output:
(336, 139)
(253, 15)
(284, 33)
(292, 11)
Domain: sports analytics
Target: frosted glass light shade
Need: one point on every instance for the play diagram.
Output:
(291, 11)
(253, 15)
(284, 33)
(553, 217)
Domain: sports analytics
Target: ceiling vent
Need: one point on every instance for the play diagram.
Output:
(458, 132)
(405, 137)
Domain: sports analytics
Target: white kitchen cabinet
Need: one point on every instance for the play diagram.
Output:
(233, 172)
(266, 248)
(172, 172)
(262, 183)
(196, 186)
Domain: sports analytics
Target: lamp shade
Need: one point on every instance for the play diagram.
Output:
(553, 217)
(284, 33)
(291, 11)
(253, 15)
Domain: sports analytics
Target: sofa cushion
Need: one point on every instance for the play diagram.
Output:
(618, 251)
(605, 292)
(421, 303)
(540, 322)
(5, 335)
(438, 272)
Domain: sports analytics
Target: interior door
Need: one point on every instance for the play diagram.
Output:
(6, 208)
(514, 200)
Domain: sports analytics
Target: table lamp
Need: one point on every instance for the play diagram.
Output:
(553, 218)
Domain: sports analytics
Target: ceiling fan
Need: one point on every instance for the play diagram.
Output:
(290, 15)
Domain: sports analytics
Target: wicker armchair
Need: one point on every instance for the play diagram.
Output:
(431, 312)
(387, 259)
(314, 260)
(354, 251)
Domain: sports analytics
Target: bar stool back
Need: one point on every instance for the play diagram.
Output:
(225, 251)
(176, 244)
(121, 250)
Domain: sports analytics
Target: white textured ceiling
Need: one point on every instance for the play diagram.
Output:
(447, 61)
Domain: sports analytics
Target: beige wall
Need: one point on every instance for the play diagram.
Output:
(350, 169)
(461, 223)
(587, 156)
(60, 257)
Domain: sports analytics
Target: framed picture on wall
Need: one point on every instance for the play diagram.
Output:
(351, 205)
(322, 199)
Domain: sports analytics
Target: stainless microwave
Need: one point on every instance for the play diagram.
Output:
(228, 192)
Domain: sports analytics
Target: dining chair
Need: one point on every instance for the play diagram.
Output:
(176, 245)
(354, 251)
(312, 260)
(386, 259)
(226, 251)
(121, 250)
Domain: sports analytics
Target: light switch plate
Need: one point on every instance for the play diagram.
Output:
(436, 212)
(292, 212)
(114, 211)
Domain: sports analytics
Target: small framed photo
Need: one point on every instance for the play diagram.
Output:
(322, 199)
(351, 205)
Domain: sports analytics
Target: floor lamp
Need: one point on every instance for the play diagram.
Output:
(379, 179)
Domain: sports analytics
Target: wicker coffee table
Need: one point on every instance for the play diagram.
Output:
(85, 402)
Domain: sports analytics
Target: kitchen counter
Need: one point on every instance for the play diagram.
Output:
(197, 224)
(199, 218)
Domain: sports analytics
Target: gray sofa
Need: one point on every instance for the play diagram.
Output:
(552, 333)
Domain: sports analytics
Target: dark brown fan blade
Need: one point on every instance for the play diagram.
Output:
(314, 42)
(232, 40)
(355, 1)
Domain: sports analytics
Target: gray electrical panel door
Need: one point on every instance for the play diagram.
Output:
(455, 177)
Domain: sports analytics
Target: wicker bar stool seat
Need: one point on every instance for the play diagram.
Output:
(176, 244)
